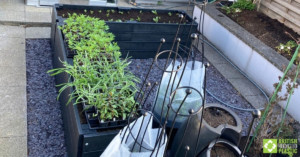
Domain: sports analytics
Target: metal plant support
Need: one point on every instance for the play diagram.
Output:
(182, 104)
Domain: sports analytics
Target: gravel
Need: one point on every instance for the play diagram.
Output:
(45, 127)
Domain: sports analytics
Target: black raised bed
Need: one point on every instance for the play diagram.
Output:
(137, 39)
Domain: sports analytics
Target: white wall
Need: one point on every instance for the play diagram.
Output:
(248, 60)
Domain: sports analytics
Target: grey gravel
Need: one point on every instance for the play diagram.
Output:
(45, 127)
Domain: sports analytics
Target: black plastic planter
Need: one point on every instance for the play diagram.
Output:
(187, 133)
(235, 151)
(81, 141)
(136, 39)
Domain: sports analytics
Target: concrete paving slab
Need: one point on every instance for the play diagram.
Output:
(38, 17)
(15, 16)
(12, 2)
(13, 147)
(257, 101)
(38, 32)
(12, 8)
(12, 76)
(80, 2)
(12, 44)
(13, 98)
(13, 123)
(12, 31)
(245, 87)
(228, 71)
(12, 59)
(38, 9)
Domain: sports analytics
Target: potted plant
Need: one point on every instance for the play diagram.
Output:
(97, 77)
(218, 121)
(137, 31)
(221, 147)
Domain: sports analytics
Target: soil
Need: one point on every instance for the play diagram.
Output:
(132, 15)
(216, 116)
(221, 151)
(269, 31)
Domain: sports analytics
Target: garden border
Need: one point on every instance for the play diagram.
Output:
(259, 62)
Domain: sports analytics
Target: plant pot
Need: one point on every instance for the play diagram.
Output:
(88, 108)
(187, 134)
(93, 121)
(114, 122)
(102, 123)
(221, 146)
(139, 40)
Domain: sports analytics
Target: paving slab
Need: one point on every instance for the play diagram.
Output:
(13, 122)
(227, 70)
(38, 32)
(257, 101)
(38, 17)
(13, 147)
(245, 87)
(12, 44)
(14, 98)
(11, 31)
(12, 77)
(9, 58)
(16, 16)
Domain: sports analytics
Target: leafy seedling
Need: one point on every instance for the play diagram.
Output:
(141, 11)
(92, 12)
(154, 12)
(156, 19)
(169, 13)
(121, 12)
(100, 11)
(138, 18)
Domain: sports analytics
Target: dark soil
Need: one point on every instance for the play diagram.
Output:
(132, 15)
(269, 31)
(221, 151)
(216, 116)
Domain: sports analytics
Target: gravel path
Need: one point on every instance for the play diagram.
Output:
(45, 127)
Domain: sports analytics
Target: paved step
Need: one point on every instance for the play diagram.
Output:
(13, 106)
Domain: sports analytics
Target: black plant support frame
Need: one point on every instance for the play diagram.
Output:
(162, 119)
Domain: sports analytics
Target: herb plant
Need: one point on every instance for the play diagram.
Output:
(99, 76)
(154, 12)
(156, 19)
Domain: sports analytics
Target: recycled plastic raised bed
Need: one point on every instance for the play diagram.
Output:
(143, 38)
(137, 39)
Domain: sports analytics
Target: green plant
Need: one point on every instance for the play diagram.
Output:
(121, 12)
(107, 14)
(85, 10)
(286, 48)
(100, 11)
(141, 11)
(118, 20)
(91, 11)
(154, 12)
(138, 18)
(99, 76)
(169, 13)
(131, 19)
(113, 11)
(239, 6)
(243, 5)
(156, 19)
(110, 20)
